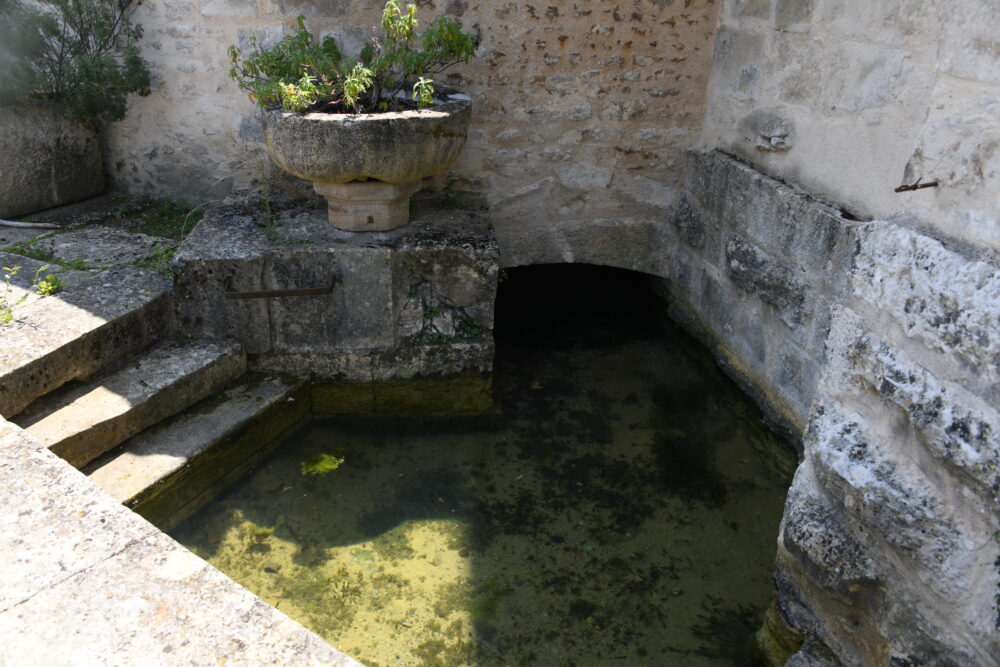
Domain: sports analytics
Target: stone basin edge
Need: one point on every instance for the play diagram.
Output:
(88, 581)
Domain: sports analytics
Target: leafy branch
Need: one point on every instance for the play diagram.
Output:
(78, 56)
(298, 74)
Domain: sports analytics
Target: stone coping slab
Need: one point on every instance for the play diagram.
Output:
(86, 581)
(22, 282)
(73, 334)
(102, 247)
(167, 473)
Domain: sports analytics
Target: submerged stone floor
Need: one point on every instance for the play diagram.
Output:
(619, 507)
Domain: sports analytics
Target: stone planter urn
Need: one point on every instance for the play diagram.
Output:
(368, 165)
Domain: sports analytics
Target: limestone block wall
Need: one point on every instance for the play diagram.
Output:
(45, 161)
(877, 343)
(852, 99)
(756, 266)
(888, 551)
(582, 111)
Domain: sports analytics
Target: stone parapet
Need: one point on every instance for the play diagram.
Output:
(87, 581)
(877, 342)
(903, 453)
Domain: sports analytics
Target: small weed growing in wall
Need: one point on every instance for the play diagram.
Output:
(166, 218)
(392, 73)
(160, 261)
(50, 285)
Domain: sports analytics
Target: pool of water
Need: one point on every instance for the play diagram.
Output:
(620, 506)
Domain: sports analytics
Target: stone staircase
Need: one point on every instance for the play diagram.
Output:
(167, 472)
(159, 424)
(75, 334)
(81, 421)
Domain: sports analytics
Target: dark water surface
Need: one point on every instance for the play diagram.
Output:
(621, 507)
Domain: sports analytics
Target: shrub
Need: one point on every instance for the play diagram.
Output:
(300, 75)
(78, 56)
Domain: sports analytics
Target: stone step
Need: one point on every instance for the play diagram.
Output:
(169, 471)
(76, 333)
(20, 288)
(79, 423)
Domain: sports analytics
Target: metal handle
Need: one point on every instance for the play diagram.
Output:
(266, 294)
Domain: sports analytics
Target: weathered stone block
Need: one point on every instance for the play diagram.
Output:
(222, 254)
(415, 301)
(774, 283)
(622, 243)
(758, 9)
(955, 425)
(951, 303)
(99, 246)
(734, 62)
(52, 341)
(689, 223)
(793, 14)
(45, 161)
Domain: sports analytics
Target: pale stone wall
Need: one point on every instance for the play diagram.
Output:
(877, 345)
(851, 99)
(888, 551)
(582, 111)
(755, 267)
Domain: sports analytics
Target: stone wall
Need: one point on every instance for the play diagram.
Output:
(582, 111)
(756, 268)
(888, 551)
(45, 161)
(853, 99)
(879, 343)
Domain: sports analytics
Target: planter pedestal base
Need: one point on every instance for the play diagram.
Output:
(367, 206)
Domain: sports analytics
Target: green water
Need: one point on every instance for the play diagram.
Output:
(621, 507)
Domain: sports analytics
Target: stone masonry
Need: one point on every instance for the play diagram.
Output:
(879, 343)
(888, 552)
(581, 112)
(755, 270)
(416, 302)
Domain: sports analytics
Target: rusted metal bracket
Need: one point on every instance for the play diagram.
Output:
(267, 294)
(916, 186)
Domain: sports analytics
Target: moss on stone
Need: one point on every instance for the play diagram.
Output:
(775, 642)
(460, 395)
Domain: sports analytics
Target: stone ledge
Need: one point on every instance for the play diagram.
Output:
(74, 334)
(87, 581)
(413, 302)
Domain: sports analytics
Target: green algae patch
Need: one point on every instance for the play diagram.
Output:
(322, 464)
(342, 398)
(775, 642)
(181, 494)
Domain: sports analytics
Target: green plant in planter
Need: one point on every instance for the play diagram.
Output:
(300, 74)
(78, 56)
